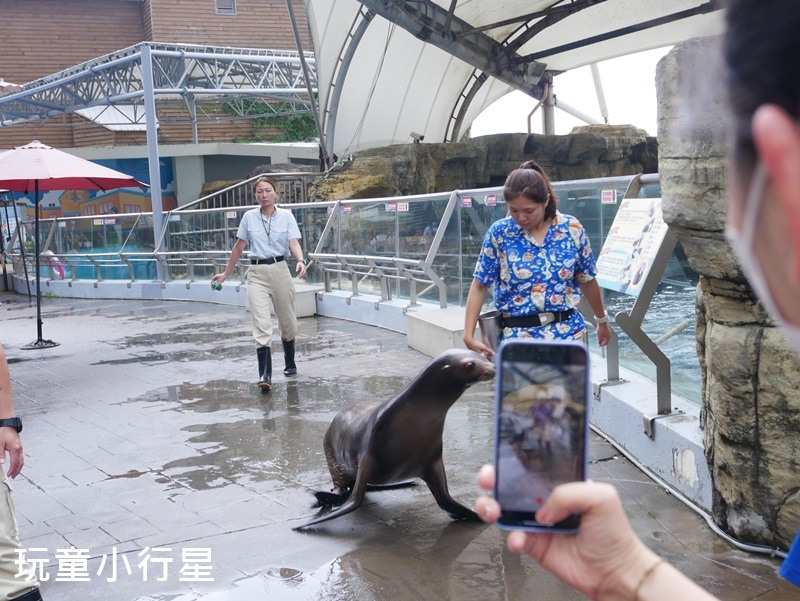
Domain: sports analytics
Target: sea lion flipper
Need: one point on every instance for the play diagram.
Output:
(436, 479)
(331, 499)
(365, 467)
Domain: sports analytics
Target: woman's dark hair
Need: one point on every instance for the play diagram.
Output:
(761, 47)
(532, 182)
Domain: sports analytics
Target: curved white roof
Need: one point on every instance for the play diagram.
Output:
(378, 82)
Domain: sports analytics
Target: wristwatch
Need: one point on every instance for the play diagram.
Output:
(603, 319)
(12, 422)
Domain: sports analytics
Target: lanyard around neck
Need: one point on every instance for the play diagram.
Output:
(266, 222)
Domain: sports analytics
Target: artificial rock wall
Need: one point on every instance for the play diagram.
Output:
(750, 376)
(592, 151)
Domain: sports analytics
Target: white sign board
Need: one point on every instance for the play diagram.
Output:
(631, 246)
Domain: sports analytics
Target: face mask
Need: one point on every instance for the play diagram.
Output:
(742, 244)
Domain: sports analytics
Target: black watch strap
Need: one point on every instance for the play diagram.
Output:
(12, 422)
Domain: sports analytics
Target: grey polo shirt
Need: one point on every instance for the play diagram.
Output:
(268, 237)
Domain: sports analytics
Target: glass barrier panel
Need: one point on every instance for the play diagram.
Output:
(672, 316)
(140, 239)
(199, 231)
(476, 215)
(144, 266)
(373, 224)
(311, 220)
(27, 230)
(197, 244)
(78, 267)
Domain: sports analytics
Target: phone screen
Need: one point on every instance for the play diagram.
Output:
(541, 427)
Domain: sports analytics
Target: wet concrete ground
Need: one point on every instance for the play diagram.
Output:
(149, 448)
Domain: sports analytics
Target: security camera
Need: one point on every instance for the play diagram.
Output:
(417, 137)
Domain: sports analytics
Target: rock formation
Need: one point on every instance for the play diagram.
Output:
(588, 152)
(750, 376)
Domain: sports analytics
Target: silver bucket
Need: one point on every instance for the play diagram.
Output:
(491, 328)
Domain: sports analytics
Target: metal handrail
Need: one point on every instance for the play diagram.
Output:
(413, 275)
(243, 196)
(384, 269)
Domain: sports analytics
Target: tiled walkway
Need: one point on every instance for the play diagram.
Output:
(150, 451)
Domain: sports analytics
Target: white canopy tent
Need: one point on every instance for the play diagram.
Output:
(391, 71)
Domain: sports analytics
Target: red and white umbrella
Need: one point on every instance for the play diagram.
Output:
(35, 167)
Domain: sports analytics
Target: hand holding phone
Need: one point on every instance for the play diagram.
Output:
(541, 428)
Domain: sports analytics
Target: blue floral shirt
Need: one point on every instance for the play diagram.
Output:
(790, 569)
(529, 278)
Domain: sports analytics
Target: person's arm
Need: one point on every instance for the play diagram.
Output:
(605, 560)
(9, 438)
(477, 293)
(591, 291)
(297, 253)
(236, 253)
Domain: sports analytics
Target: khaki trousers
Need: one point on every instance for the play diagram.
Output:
(11, 585)
(271, 288)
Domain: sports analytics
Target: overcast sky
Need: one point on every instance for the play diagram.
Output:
(628, 84)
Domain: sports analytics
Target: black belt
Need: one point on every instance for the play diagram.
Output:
(534, 321)
(269, 261)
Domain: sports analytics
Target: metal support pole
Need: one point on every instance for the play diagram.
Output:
(326, 159)
(38, 261)
(152, 148)
(631, 323)
(601, 96)
(39, 342)
(192, 106)
(571, 110)
(3, 244)
(549, 113)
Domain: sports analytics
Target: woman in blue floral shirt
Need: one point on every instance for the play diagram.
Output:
(540, 264)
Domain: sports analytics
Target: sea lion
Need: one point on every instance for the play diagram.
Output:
(401, 439)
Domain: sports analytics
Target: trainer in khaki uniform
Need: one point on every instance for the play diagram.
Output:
(272, 234)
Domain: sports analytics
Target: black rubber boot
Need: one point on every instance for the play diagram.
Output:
(33, 595)
(288, 355)
(264, 368)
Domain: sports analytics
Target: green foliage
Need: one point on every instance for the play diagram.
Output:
(298, 127)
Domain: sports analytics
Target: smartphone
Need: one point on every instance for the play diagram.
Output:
(541, 427)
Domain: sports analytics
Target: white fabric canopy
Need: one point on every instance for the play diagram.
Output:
(389, 83)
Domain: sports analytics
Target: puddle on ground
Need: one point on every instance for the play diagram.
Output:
(13, 360)
(287, 584)
(233, 339)
(180, 356)
(454, 563)
(233, 435)
(258, 437)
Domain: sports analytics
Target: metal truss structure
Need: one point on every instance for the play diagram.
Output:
(439, 26)
(213, 82)
(206, 78)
